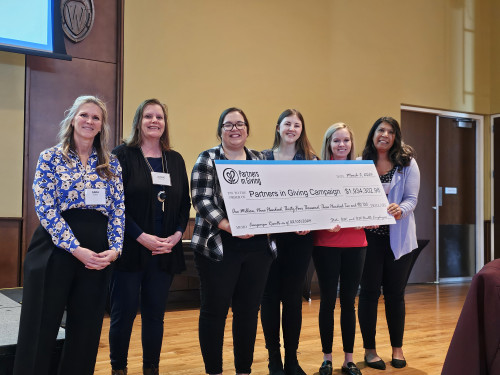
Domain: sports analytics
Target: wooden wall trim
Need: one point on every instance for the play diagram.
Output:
(487, 241)
(52, 85)
(26, 161)
(119, 72)
(10, 251)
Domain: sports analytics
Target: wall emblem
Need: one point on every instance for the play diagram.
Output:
(77, 18)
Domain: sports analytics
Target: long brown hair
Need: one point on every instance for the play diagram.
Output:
(100, 143)
(135, 137)
(303, 145)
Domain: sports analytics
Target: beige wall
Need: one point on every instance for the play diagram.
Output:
(495, 57)
(334, 60)
(12, 130)
(206, 56)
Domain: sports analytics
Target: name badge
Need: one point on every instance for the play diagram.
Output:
(387, 187)
(95, 196)
(160, 178)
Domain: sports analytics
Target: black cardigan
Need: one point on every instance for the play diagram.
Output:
(139, 206)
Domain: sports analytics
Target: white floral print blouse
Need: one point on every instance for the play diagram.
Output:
(60, 185)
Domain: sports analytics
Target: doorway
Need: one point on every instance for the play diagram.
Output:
(450, 208)
(495, 189)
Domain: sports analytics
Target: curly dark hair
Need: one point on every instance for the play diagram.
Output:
(400, 152)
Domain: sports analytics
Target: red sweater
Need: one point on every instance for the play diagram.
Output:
(346, 237)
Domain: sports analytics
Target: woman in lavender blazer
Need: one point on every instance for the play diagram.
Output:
(389, 254)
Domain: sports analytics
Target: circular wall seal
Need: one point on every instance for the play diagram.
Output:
(77, 18)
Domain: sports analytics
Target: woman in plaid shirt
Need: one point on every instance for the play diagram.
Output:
(233, 270)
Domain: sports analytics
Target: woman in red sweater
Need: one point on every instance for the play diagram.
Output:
(338, 253)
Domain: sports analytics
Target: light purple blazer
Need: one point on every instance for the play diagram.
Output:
(404, 191)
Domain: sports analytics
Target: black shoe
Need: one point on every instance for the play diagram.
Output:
(398, 363)
(326, 368)
(276, 371)
(275, 364)
(150, 370)
(293, 369)
(351, 369)
(379, 365)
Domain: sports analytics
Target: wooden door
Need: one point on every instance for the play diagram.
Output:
(419, 131)
(457, 187)
(496, 186)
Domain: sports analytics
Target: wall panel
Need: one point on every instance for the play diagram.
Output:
(52, 85)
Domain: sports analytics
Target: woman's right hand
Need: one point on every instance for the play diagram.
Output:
(336, 228)
(90, 259)
(224, 225)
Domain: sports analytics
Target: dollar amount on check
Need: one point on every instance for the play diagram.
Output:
(287, 196)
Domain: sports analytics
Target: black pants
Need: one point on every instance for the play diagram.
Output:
(382, 270)
(284, 284)
(238, 280)
(150, 286)
(55, 279)
(332, 263)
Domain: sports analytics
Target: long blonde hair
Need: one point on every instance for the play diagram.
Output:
(326, 150)
(100, 143)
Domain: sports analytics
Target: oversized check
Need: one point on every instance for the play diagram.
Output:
(264, 196)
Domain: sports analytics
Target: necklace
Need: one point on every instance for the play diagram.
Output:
(162, 194)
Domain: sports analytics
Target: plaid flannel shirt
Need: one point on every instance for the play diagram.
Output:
(209, 204)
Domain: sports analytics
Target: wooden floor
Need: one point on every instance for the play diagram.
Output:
(431, 315)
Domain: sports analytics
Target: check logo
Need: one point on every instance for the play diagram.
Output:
(231, 176)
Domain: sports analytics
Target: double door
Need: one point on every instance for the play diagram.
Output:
(449, 210)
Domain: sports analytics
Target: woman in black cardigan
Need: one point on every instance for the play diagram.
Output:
(157, 211)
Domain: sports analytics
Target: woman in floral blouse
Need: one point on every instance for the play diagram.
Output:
(79, 200)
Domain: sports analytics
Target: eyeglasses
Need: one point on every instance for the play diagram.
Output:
(228, 126)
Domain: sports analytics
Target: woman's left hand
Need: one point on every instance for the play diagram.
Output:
(245, 236)
(168, 243)
(302, 232)
(394, 210)
(106, 258)
(335, 229)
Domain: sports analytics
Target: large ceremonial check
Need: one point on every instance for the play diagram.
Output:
(264, 196)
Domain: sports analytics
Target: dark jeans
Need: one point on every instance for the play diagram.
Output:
(284, 284)
(382, 270)
(330, 263)
(238, 280)
(151, 286)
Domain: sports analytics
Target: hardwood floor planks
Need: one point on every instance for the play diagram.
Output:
(432, 312)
